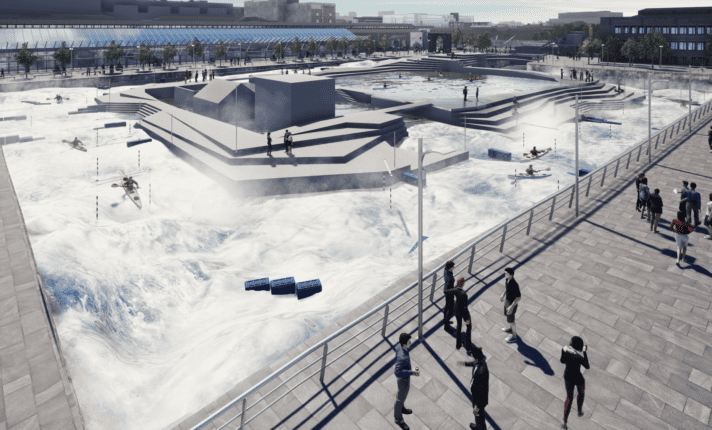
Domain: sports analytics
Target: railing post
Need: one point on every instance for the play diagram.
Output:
(640, 150)
(618, 162)
(657, 141)
(385, 322)
(628, 163)
(472, 259)
(432, 288)
(553, 205)
(531, 216)
(242, 417)
(665, 136)
(573, 192)
(323, 362)
(504, 235)
(588, 188)
(603, 178)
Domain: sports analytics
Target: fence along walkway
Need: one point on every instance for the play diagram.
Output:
(601, 276)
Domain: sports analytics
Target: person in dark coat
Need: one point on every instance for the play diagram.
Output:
(512, 296)
(462, 313)
(269, 144)
(683, 196)
(403, 372)
(286, 141)
(641, 175)
(656, 209)
(479, 387)
(644, 196)
(572, 358)
(464, 92)
(709, 138)
(449, 296)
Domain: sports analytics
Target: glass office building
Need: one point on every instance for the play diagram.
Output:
(686, 30)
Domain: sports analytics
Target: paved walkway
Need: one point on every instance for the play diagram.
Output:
(36, 390)
(604, 276)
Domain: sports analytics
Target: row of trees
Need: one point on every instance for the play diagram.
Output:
(481, 42)
(562, 30)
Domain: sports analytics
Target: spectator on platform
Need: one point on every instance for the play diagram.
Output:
(464, 92)
(682, 232)
(694, 203)
(572, 358)
(185, 77)
(683, 196)
(709, 138)
(286, 141)
(562, 74)
(512, 295)
(269, 144)
(479, 387)
(708, 218)
(462, 313)
(290, 141)
(477, 94)
(656, 209)
(2, 75)
(449, 296)
(196, 76)
(403, 372)
(644, 196)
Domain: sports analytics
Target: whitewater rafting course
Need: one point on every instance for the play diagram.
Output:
(155, 321)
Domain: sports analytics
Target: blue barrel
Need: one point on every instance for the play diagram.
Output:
(137, 142)
(283, 286)
(499, 155)
(412, 178)
(584, 172)
(115, 124)
(308, 288)
(257, 285)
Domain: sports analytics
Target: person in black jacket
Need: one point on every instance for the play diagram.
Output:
(572, 358)
(461, 312)
(269, 144)
(656, 209)
(512, 296)
(449, 296)
(479, 387)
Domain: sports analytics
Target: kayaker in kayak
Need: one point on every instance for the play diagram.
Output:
(530, 170)
(129, 183)
(400, 76)
(534, 152)
(385, 85)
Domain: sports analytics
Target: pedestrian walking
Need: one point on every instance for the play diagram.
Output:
(2, 75)
(562, 73)
(290, 141)
(479, 387)
(683, 197)
(196, 76)
(709, 135)
(694, 203)
(464, 92)
(644, 195)
(477, 93)
(682, 232)
(403, 372)
(286, 141)
(708, 218)
(462, 313)
(449, 296)
(656, 209)
(512, 296)
(572, 358)
(269, 144)
(185, 77)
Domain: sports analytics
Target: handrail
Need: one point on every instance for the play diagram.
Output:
(697, 114)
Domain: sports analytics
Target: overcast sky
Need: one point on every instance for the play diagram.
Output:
(496, 10)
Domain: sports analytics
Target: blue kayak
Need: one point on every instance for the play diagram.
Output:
(525, 176)
(384, 88)
(400, 78)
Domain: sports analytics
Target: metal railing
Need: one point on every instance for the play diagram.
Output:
(477, 250)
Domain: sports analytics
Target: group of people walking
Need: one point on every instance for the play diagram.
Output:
(456, 303)
(689, 207)
(188, 75)
(585, 76)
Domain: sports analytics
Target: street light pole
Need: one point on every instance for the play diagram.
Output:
(576, 173)
(71, 59)
(602, 50)
(650, 130)
(689, 104)
(661, 57)
(420, 238)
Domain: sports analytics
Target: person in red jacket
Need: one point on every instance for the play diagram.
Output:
(572, 358)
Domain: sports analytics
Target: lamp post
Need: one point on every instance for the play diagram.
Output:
(602, 50)
(193, 46)
(661, 57)
(650, 130)
(138, 58)
(689, 103)
(71, 59)
(576, 173)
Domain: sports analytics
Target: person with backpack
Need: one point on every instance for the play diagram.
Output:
(641, 175)
(644, 195)
(572, 358)
(682, 232)
(656, 209)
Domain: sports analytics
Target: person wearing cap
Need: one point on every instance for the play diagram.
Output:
(572, 358)
(462, 313)
(479, 387)
(694, 203)
(683, 196)
(708, 218)
(513, 295)
(403, 372)
(449, 295)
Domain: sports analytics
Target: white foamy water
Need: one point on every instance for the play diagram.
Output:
(155, 320)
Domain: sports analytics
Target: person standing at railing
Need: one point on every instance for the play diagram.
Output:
(513, 295)
(462, 313)
(656, 209)
(403, 372)
(449, 296)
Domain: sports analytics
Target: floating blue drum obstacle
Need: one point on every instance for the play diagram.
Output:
(283, 286)
(115, 124)
(412, 178)
(308, 288)
(257, 285)
(499, 155)
(137, 142)
(582, 172)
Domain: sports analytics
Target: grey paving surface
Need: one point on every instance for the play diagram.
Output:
(37, 392)
(603, 276)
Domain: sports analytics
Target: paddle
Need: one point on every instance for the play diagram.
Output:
(117, 185)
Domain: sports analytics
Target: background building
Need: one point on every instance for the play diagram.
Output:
(587, 17)
(685, 29)
(423, 19)
(390, 12)
(370, 19)
(291, 11)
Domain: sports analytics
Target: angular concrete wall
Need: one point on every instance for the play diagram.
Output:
(283, 101)
(184, 97)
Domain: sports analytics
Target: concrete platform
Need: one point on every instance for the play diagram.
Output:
(37, 391)
(603, 276)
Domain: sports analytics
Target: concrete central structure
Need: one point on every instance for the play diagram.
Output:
(286, 100)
